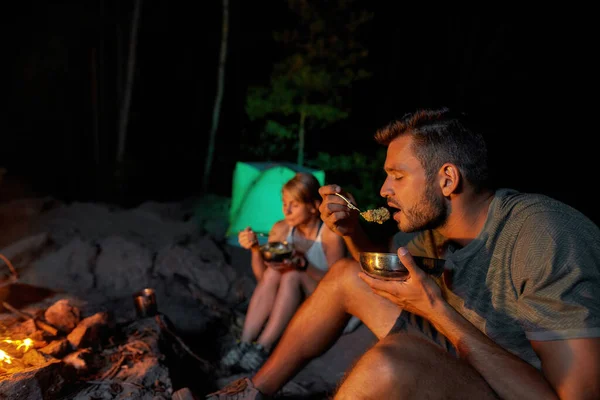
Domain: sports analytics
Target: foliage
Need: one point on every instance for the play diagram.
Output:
(310, 86)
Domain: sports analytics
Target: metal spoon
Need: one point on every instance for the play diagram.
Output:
(350, 205)
(256, 233)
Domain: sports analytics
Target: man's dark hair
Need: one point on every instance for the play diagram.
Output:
(441, 136)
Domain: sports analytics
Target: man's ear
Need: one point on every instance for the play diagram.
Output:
(449, 178)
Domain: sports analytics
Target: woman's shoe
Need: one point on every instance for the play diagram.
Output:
(241, 389)
(235, 354)
(254, 357)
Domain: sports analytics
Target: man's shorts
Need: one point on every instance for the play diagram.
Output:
(411, 323)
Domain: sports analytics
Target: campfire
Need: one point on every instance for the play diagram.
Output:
(56, 351)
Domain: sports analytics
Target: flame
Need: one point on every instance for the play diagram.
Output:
(5, 357)
(24, 344)
(27, 343)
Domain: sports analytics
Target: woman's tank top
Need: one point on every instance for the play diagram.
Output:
(315, 254)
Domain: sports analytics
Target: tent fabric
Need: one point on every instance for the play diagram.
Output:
(256, 194)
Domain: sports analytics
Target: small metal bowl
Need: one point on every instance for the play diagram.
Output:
(276, 251)
(388, 266)
(385, 266)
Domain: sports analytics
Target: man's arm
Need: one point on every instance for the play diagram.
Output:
(558, 292)
(508, 375)
(571, 366)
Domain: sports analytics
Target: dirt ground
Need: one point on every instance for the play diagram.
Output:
(108, 253)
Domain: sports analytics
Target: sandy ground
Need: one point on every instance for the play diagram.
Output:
(19, 211)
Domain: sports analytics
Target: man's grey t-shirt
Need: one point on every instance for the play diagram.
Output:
(533, 273)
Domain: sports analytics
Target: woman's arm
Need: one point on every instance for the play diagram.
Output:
(334, 248)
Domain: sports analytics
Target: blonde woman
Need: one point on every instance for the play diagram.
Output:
(281, 287)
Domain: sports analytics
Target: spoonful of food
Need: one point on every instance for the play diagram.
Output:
(379, 215)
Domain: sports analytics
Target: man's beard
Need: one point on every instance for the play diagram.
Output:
(429, 213)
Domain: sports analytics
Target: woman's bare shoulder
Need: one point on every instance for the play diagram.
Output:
(330, 236)
(279, 231)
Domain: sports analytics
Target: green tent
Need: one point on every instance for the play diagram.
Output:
(256, 195)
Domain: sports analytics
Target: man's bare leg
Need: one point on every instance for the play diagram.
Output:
(409, 366)
(320, 320)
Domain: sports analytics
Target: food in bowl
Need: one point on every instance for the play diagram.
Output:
(276, 251)
(379, 215)
(387, 266)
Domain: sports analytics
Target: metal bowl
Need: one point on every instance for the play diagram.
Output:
(388, 266)
(383, 266)
(276, 251)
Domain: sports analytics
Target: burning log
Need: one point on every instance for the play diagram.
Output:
(128, 365)
(34, 383)
(40, 324)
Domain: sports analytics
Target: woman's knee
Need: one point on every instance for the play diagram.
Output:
(270, 277)
(290, 280)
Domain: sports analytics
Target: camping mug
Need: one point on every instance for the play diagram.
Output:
(145, 303)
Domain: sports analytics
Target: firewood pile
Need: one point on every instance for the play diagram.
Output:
(58, 352)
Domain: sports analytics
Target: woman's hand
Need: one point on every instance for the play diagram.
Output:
(285, 265)
(297, 261)
(248, 239)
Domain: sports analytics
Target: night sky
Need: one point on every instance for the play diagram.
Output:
(529, 76)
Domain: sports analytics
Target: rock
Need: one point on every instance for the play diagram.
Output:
(177, 260)
(79, 359)
(68, 269)
(63, 315)
(57, 348)
(91, 331)
(122, 267)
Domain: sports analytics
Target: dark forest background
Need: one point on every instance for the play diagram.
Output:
(527, 76)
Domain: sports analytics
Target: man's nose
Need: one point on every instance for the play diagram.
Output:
(385, 190)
